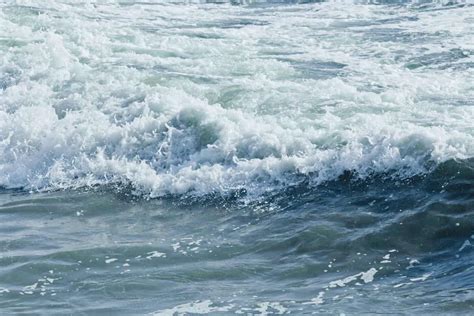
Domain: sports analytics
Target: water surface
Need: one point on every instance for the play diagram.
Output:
(178, 158)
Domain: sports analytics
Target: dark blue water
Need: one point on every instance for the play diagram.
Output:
(98, 252)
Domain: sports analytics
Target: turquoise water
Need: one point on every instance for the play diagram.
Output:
(236, 158)
(347, 247)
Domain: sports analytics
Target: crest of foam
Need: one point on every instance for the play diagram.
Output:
(203, 99)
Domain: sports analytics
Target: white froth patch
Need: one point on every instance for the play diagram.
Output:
(424, 277)
(155, 254)
(197, 307)
(466, 244)
(318, 300)
(367, 277)
(270, 308)
(412, 263)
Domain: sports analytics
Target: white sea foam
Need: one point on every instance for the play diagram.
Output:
(198, 307)
(197, 99)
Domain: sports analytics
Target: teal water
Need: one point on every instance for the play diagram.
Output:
(244, 157)
(348, 247)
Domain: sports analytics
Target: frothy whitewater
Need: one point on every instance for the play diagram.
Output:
(243, 157)
(199, 99)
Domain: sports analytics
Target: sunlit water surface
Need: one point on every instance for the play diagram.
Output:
(245, 157)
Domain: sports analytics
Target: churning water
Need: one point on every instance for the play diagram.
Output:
(259, 157)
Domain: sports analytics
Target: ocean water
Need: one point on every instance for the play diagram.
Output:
(242, 157)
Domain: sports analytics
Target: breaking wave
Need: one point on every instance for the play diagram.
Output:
(183, 100)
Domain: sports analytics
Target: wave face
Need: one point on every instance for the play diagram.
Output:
(209, 99)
